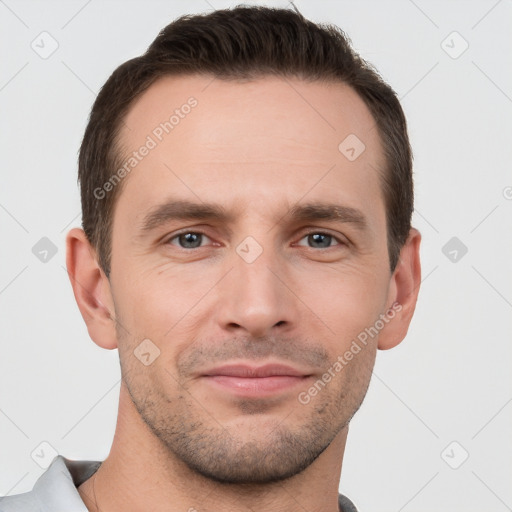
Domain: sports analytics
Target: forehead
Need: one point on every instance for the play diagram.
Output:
(271, 141)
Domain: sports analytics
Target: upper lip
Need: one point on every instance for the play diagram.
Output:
(248, 371)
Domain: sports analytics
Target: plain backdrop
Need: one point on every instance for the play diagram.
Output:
(434, 430)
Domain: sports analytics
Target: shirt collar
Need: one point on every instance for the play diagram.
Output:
(56, 488)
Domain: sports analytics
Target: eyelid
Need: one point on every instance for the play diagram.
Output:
(167, 240)
(322, 231)
(340, 239)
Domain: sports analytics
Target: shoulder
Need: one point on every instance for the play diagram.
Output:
(55, 489)
(345, 505)
(26, 502)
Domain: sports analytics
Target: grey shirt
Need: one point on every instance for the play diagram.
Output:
(56, 489)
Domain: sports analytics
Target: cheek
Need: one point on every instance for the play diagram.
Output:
(347, 302)
(157, 302)
(165, 302)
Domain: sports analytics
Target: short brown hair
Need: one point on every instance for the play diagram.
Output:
(243, 42)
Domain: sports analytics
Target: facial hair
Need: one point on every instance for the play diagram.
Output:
(260, 448)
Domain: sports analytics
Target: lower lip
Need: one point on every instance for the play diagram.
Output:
(256, 386)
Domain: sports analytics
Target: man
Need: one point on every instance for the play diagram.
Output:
(247, 196)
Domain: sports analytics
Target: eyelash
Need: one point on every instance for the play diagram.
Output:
(177, 235)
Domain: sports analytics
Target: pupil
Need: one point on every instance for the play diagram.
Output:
(318, 238)
(190, 240)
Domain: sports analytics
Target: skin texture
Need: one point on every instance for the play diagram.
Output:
(257, 148)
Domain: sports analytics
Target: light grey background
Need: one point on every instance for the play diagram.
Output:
(450, 380)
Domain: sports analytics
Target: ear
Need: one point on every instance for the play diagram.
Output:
(403, 293)
(91, 289)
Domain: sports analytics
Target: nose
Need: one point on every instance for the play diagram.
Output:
(256, 299)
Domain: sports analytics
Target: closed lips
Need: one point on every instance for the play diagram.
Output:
(248, 372)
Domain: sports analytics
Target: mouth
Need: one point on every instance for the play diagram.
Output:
(246, 380)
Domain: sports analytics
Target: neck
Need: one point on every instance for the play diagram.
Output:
(141, 474)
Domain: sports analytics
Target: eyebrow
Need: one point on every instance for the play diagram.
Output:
(184, 210)
(308, 212)
(330, 212)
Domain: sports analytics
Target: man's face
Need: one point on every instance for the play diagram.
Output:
(262, 285)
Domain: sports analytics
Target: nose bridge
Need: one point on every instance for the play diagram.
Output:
(253, 264)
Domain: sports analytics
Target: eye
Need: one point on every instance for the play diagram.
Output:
(188, 239)
(194, 239)
(321, 240)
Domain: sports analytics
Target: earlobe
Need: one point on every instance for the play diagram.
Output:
(403, 292)
(91, 289)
